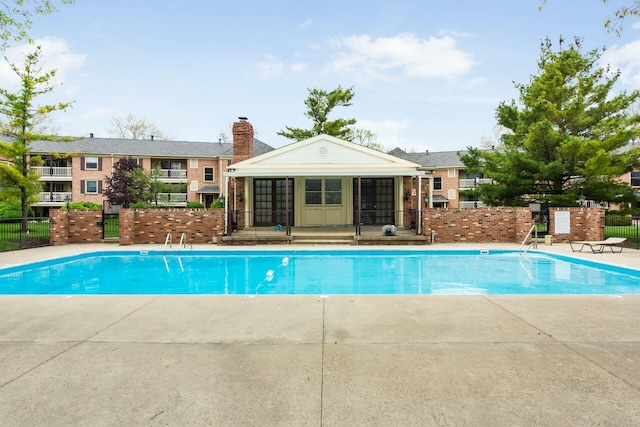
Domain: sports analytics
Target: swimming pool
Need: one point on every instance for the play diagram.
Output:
(382, 272)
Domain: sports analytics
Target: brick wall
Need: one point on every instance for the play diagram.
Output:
(75, 227)
(584, 224)
(152, 225)
(486, 225)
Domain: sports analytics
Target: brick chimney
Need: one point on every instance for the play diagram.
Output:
(242, 140)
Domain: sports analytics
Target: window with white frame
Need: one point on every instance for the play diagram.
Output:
(452, 173)
(91, 187)
(91, 163)
(452, 194)
(635, 179)
(193, 163)
(437, 183)
(209, 174)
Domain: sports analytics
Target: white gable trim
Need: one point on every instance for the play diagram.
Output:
(324, 155)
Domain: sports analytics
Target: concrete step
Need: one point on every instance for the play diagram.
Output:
(322, 240)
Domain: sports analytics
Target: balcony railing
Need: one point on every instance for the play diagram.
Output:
(173, 174)
(172, 199)
(592, 204)
(54, 197)
(472, 182)
(471, 204)
(53, 171)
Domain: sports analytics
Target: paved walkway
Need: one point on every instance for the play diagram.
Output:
(306, 360)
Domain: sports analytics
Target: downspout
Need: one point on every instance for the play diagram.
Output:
(286, 206)
(419, 219)
(358, 230)
(226, 206)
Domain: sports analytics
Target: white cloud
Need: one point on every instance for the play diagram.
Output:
(626, 58)
(270, 68)
(56, 55)
(458, 34)
(382, 58)
(305, 24)
(296, 68)
(388, 130)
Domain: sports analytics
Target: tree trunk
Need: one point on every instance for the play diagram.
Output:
(25, 212)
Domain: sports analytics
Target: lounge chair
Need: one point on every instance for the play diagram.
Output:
(597, 247)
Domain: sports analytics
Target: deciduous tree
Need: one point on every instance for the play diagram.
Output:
(16, 16)
(615, 23)
(567, 135)
(366, 138)
(132, 127)
(121, 187)
(17, 177)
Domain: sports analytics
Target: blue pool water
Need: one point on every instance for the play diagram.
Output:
(318, 272)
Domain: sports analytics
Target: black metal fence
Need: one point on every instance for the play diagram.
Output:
(626, 226)
(21, 233)
(270, 221)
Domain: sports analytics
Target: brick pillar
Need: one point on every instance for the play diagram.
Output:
(524, 222)
(127, 222)
(242, 140)
(58, 227)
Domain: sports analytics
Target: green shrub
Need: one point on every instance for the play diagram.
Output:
(195, 205)
(11, 209)
(82, 206)
(217, 203)
(140, 205)
(618, 220)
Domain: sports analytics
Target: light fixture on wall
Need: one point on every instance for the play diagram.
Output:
(240, 196)
(407, 195)
(426, 201)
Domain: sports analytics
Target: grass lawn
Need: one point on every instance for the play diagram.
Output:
(111, 227)
(12, 238)
(631, 232)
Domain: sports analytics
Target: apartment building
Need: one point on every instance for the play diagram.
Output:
(197, 171)
(633, 178)
(450, 179)
(76, 170)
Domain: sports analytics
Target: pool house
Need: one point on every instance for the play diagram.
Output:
(324, 183)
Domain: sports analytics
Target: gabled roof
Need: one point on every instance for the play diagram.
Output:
(435, 159)
(143, 148)
(324, 155)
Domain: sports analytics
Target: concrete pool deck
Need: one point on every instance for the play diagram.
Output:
(310, 360)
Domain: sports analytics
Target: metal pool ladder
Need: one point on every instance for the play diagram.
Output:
(183, 241)
(169, 241)
(534, 243)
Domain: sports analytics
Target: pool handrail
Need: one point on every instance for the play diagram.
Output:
(168, 240)
(183, 238)
(534, 243)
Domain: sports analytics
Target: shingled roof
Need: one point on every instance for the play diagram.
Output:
(144, 148)
(436, 159)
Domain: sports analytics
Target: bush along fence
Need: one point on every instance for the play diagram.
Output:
(483, 225)
(14, 235)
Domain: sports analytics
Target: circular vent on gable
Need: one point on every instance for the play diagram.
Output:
(323, 151)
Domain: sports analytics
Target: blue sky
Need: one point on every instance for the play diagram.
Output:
(426, 74)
